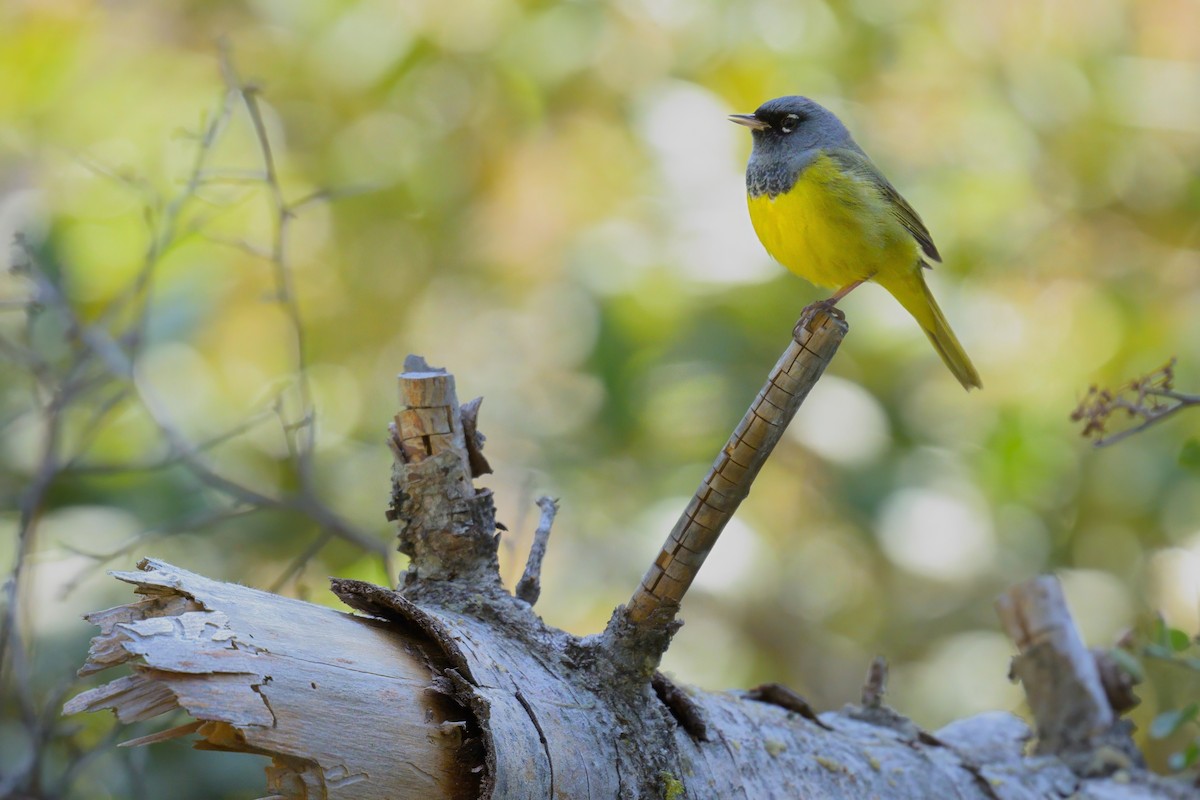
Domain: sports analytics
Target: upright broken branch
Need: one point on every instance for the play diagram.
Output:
(1061, 678)
(646, 623)
(445, 526)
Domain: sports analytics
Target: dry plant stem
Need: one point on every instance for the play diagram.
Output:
(729, 480)
(1059, 674)
(1154, 416)
(1150, 398)
(530, 585)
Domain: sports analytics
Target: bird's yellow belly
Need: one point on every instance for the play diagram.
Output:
(830, 230)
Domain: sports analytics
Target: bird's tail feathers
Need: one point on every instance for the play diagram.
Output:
(916, 298)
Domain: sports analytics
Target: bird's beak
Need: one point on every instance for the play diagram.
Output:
(750, 121)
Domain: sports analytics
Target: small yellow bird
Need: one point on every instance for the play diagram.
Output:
(826, 212)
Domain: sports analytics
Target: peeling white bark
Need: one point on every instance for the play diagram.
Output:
(345, 706)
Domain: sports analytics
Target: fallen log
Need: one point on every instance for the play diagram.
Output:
(452, 687)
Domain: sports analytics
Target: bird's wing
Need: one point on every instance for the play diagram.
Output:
(856, 162)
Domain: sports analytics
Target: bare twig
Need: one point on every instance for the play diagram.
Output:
(110, 355)
(30, 507)
(284, 287)
(203, 520)
(170, 460)
(530, 585)
(14, 649)
(301, 560)
(90, 375)
(163, 219)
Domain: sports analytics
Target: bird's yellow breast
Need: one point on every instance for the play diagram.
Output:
(832, 228)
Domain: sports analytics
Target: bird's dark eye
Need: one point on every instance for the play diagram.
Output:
(789, 123)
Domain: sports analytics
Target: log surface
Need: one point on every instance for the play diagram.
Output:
(346, 706)
(399, 704)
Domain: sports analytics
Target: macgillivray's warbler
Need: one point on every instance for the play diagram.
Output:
(825, 211)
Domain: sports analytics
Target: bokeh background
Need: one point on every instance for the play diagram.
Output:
(546, 199)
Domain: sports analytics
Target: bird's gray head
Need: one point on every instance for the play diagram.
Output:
(788, 133)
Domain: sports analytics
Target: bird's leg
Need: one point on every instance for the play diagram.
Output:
(828, 305)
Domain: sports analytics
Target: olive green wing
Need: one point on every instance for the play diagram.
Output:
(857, 163)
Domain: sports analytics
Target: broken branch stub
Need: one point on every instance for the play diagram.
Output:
(649, 615)
(1059, 674)
(444, 524)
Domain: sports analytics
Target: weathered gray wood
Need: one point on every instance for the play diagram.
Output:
(379, 723)
(343, 704)
(1058, 672)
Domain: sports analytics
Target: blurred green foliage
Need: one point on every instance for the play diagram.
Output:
(546, 199)
(1173, 652)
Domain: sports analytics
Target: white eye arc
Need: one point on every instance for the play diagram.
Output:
(789, 123)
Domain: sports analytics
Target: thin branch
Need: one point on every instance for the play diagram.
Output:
(162, 224)
(19, 354)
(174, 458)
(285, 289)
(200, 521)
(111, 355)
(652, 608)
(30, 507)
(1153, 417)
(301, 561)
(95, 425)
(242, 245)
(237, 177)
(326, 195)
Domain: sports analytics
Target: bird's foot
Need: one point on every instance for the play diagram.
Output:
(829, 306)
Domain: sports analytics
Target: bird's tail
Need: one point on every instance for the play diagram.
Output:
(915, 296)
